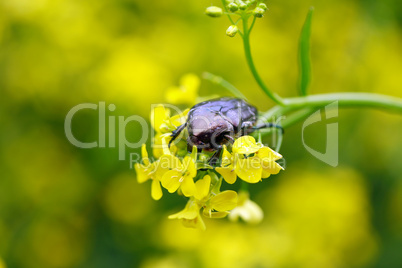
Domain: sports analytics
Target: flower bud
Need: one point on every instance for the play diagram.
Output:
(232, 30)
(258, 12)
(243, 6)
(263, 6)
(233, 7)
(213, 11)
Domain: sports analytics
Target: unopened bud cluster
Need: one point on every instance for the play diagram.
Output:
(242, 8)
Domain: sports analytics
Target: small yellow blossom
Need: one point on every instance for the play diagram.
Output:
(247, 210)
(160, 145)
(220, 204)
(159, 117)
(190, 216)
(147, 171)
(202, 188)
(250, 169)
(267, 156)
(227, 169)
(180, 174)
(186, 93)
(216, 205)
(164, 125)
(246, 145)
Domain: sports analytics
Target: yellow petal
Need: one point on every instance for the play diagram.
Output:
(189, 165)
(170, 162)
(159, 171)
(179, 119)
(144, 155)
(271, 167)
(171, 180)
(249, 169)
(224, 201)
(215, 214)
(202, 187)
(142, 173)
(188, 186)
(196, 223)
(158, 117)
(245, 145)
(265, 174)
(226, 157)
(184, 214)
(190, 211)
(267, 154)
(157, 146)
(156, 190)
(228, 173)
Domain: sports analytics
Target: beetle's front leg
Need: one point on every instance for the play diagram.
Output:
(268, 125)
(215, 157)
(176, 133)
(229, 138)
(245, 128)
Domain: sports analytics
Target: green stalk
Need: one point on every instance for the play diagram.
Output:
(247, 50)
(348, 99)
(223, 83)
(305, 106)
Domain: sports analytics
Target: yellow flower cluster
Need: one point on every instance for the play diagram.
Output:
(190, 174)
(249, 168)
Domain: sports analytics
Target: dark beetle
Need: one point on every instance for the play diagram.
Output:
(212, 123)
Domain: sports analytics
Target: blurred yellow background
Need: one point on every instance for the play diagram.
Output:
(62, 206)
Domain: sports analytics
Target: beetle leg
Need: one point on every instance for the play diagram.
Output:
(268, 125)
(244, 127)
(229, 138)
(215, 157)
(176, 133)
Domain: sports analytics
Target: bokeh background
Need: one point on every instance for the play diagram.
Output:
(63, 206)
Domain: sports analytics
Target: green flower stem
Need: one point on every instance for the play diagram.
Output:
(348, 99)
(246, 43)
(223, 83)
(305, 106)
(252, 25)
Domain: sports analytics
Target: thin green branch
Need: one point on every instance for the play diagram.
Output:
(223, 83)
(305, 106)
(246, 43)
(252, 25)
(348, 99)
(226, 11)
